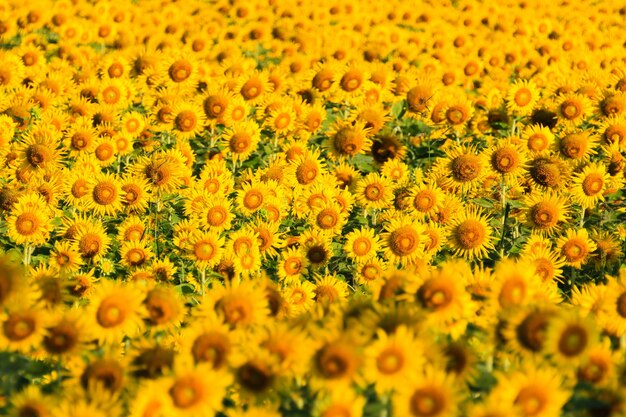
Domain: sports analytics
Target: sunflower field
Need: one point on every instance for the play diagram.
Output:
(326, 208)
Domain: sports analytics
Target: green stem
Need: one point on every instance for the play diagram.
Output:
(28, 251)
(203, 281)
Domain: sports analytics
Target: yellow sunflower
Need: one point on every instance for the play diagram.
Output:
(545, 212)
(115, 310)
(534, 390)
(194, 390)
(392, 356)
(241, 139)
(576, 247)
(431, 393)
(403, 240)
(521, 97)
(589, 185)
(470, 234)
(30, 221)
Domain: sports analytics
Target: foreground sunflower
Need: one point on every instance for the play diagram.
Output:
(194, 390)
(115, 311)
(431, 393)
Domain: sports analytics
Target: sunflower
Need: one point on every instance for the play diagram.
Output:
(521, 97)
(548, 172)
(76, 189)
(443, 297)
(216, 183)
(613, 130)
(147, 400)
(23, 328)
(291, 264)
(215, 102)
(281, 119)
(311, 119)
(240, 305)
(163, 270)
(105, 151)
(545, 212)
(609, 304)
(135, 253)
(205, 248)
(335, 364)
(306, 169)
(374, 192)
(322, 77)
(251, 197)
(430, 394)
(188, 120)
(114, 311)
(374, 117)
(194, 390)
(470, 234)
(547, 264)
(403, 240)
(457, 113)
(66, 334)
(82, 407)
(514, 285)
(538, 139)
(361, 244)
(349, 81)
(532, 391)
(65, 257)
(507, 160)
(92, 241)
(237, 111)
(346, 140)
(241, 139)
(269, 237)
(216, 214)
(463, 169)
(588, 186)
(180, 70)
(572, 109)
(577, 146)
(299, 296)
(104, 190)
(246, 263)
(418, 97)
(397, 171)
(133, 228)
(31, 401)
(341, 401)
(80, 137)
(576, 247)
(329, 218)
(29, 221)
(599, 367)
(165, 308)
(163, 171)
(329, 289)
(524, 329)
(608, 252)
(391, 357)
(209, 341)
(569, 337)
(425, 198)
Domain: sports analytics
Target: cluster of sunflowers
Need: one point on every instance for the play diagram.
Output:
(321, 208)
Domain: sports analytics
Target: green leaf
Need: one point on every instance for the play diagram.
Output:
(483, 202)
(398, 109)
